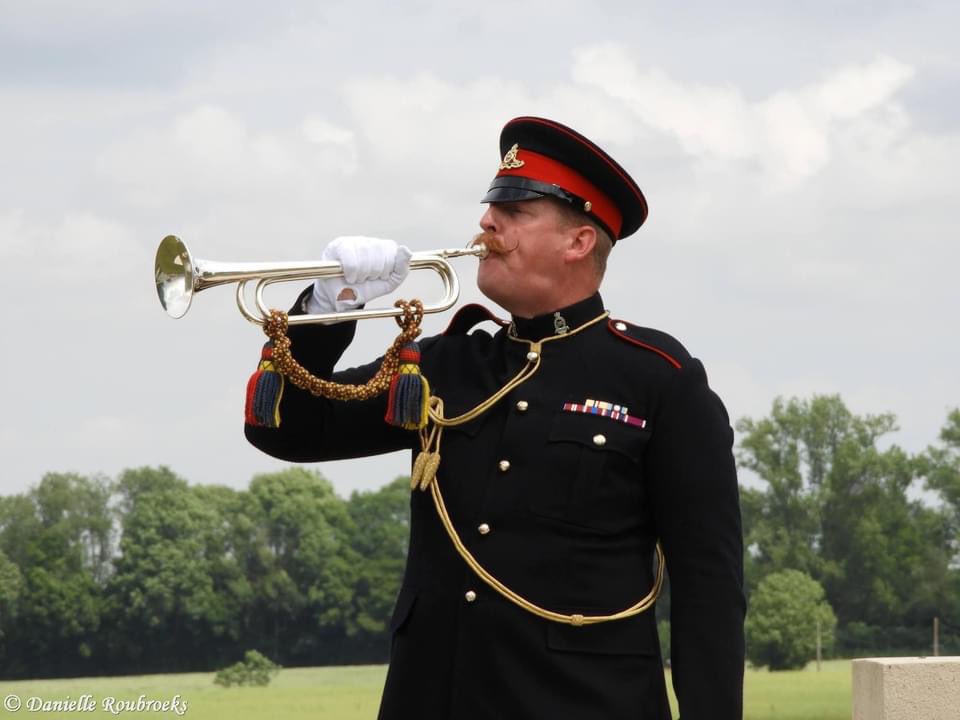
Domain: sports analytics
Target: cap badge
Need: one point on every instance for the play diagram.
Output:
(510, 161)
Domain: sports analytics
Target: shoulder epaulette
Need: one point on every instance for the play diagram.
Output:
(666, 346)
(467, 317)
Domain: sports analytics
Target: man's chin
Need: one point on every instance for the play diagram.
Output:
(493, 289)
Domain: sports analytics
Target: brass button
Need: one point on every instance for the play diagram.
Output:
(483, 529)
(470, 596)
(532, 356)
(587, 206)
(599, 440)
(621, 326)
(522, 405)
(504, 465)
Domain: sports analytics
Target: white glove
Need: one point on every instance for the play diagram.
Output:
(371, 267)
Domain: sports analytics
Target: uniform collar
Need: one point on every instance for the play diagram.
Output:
(558, 322)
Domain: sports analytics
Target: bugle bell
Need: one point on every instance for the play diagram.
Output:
(179, 276)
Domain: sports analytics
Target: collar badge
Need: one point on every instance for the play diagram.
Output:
(560, 324)
(510, 161)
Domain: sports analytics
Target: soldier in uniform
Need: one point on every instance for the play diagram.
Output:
(571, 444)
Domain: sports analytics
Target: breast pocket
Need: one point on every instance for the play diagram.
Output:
(591, 474)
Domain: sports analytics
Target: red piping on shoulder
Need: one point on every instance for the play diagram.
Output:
(669, 358)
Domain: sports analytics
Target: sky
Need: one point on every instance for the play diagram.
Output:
(799, 160)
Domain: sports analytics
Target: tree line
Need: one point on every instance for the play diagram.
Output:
(148, 573)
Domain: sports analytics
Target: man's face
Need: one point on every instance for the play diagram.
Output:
(523, 280)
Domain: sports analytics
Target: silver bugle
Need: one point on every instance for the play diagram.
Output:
(179, 276)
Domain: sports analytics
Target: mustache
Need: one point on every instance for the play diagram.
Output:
(494, 243)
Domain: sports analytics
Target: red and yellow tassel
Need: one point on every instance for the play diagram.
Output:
(409, 392)
(264, 390)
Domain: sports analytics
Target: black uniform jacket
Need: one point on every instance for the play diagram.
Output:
(573, 502)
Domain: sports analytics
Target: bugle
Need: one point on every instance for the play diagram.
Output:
(179, 276)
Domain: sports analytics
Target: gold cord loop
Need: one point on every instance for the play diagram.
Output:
(425, 477)
(275, 328)
(645, 603)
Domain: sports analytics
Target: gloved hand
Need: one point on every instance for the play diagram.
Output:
(371, 267)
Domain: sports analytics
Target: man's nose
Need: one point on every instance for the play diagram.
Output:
(487, 221)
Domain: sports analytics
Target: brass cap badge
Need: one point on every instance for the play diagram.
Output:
(510, 161)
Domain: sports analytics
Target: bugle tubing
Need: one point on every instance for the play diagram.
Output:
(179, 276)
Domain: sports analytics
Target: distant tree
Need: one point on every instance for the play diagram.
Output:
(381, 522)
(781, 626)
(79, 508)
(19, 525)
(795, 452)
(10, 582)
(305, 568)
(59, 537)
(224, 536)
(941, 467)
(164, 596)
(835, 506)
(941, 470)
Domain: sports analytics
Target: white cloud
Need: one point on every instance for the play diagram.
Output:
(789, 134)
(16, 238)
(209, 153)
(856, 89)
(337, 145)
(427, 127)
(77, 246)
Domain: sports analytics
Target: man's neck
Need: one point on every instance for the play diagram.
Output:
(565, 297)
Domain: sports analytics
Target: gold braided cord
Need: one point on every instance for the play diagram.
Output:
(527, 372)
(276, 325)
(432, 439)
(276, 329)
(645, 603)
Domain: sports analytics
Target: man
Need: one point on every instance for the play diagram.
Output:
(572, 443)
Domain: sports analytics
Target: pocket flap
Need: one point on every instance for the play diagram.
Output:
(598, 433)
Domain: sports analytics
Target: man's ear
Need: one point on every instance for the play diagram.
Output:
(581, 241)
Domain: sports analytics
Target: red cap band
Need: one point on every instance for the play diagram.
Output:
(547, 170)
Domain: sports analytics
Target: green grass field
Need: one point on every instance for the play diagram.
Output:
(799, 695)
(353, 693)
